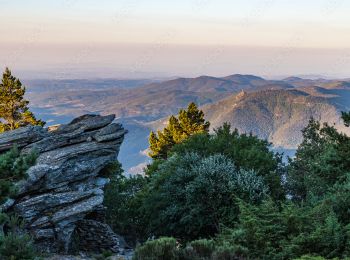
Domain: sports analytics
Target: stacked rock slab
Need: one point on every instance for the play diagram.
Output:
(64, 189)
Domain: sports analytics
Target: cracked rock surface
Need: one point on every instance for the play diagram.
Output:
(62, 197)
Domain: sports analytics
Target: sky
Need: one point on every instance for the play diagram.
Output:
(154, 38)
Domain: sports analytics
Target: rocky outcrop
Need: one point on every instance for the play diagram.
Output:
(61, 199)
(95, 235)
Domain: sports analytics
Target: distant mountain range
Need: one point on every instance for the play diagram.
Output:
(273, 109)
(149, 101)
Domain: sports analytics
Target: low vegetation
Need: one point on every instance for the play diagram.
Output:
(15, 244)
(13, 167)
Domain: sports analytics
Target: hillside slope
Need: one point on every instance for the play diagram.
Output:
(273, 109)
(279, 115)
(148, 102)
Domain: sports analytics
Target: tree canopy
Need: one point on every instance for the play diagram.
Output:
(346, 118)
(321, 161)
(14, 111)
(190, 195)
(227, 195)
(187, 123)
(246, 151)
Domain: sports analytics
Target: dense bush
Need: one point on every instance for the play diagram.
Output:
(189, 196)
(168, 248)
(13, 167)
(309, 257)
(15, 244)
(122, 204)
(16, 247)
(245, 151)
(199, 249)
(287, 232)
(322, 160)
(162, 249)
(225, 252)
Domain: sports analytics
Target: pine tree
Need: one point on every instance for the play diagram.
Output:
(346, 118)
(14, 111)
(178, 129)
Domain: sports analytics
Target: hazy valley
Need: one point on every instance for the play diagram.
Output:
(273, 109)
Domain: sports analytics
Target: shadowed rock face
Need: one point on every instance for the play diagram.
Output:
(64, 190)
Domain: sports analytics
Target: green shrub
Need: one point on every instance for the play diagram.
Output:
(189, 196)
(225, 252)
(309, 257)
(3, 221)
(164, 248)
(106, 254)
(123, 206)
(13, 167)
(16, 247)
(202, 248)
(111, 169)
(321, 161)
(15, 244)
(246, 151)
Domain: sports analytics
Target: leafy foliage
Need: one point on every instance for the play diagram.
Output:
(16, 247)
(199, 249)
(309, 257)
(228, 196)
(209, 188)
(13, 167)
(15, 244)
(346, 117)
(245, 151)
(14, 110)
(112, 170)
(162, 248)
(321, 161)
(287, 232)
(169, 248)
(123, 213)
(178, 129)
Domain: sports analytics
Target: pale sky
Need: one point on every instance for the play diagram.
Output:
(154, 38)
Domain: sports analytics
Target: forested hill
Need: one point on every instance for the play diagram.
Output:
(273, 109)
(279, 115)
(133, 99)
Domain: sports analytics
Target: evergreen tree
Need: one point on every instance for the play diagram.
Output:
(346, 117)
(321, 161)
(14, 111)
(188, 123)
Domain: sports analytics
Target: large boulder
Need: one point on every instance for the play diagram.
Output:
(62, 196)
